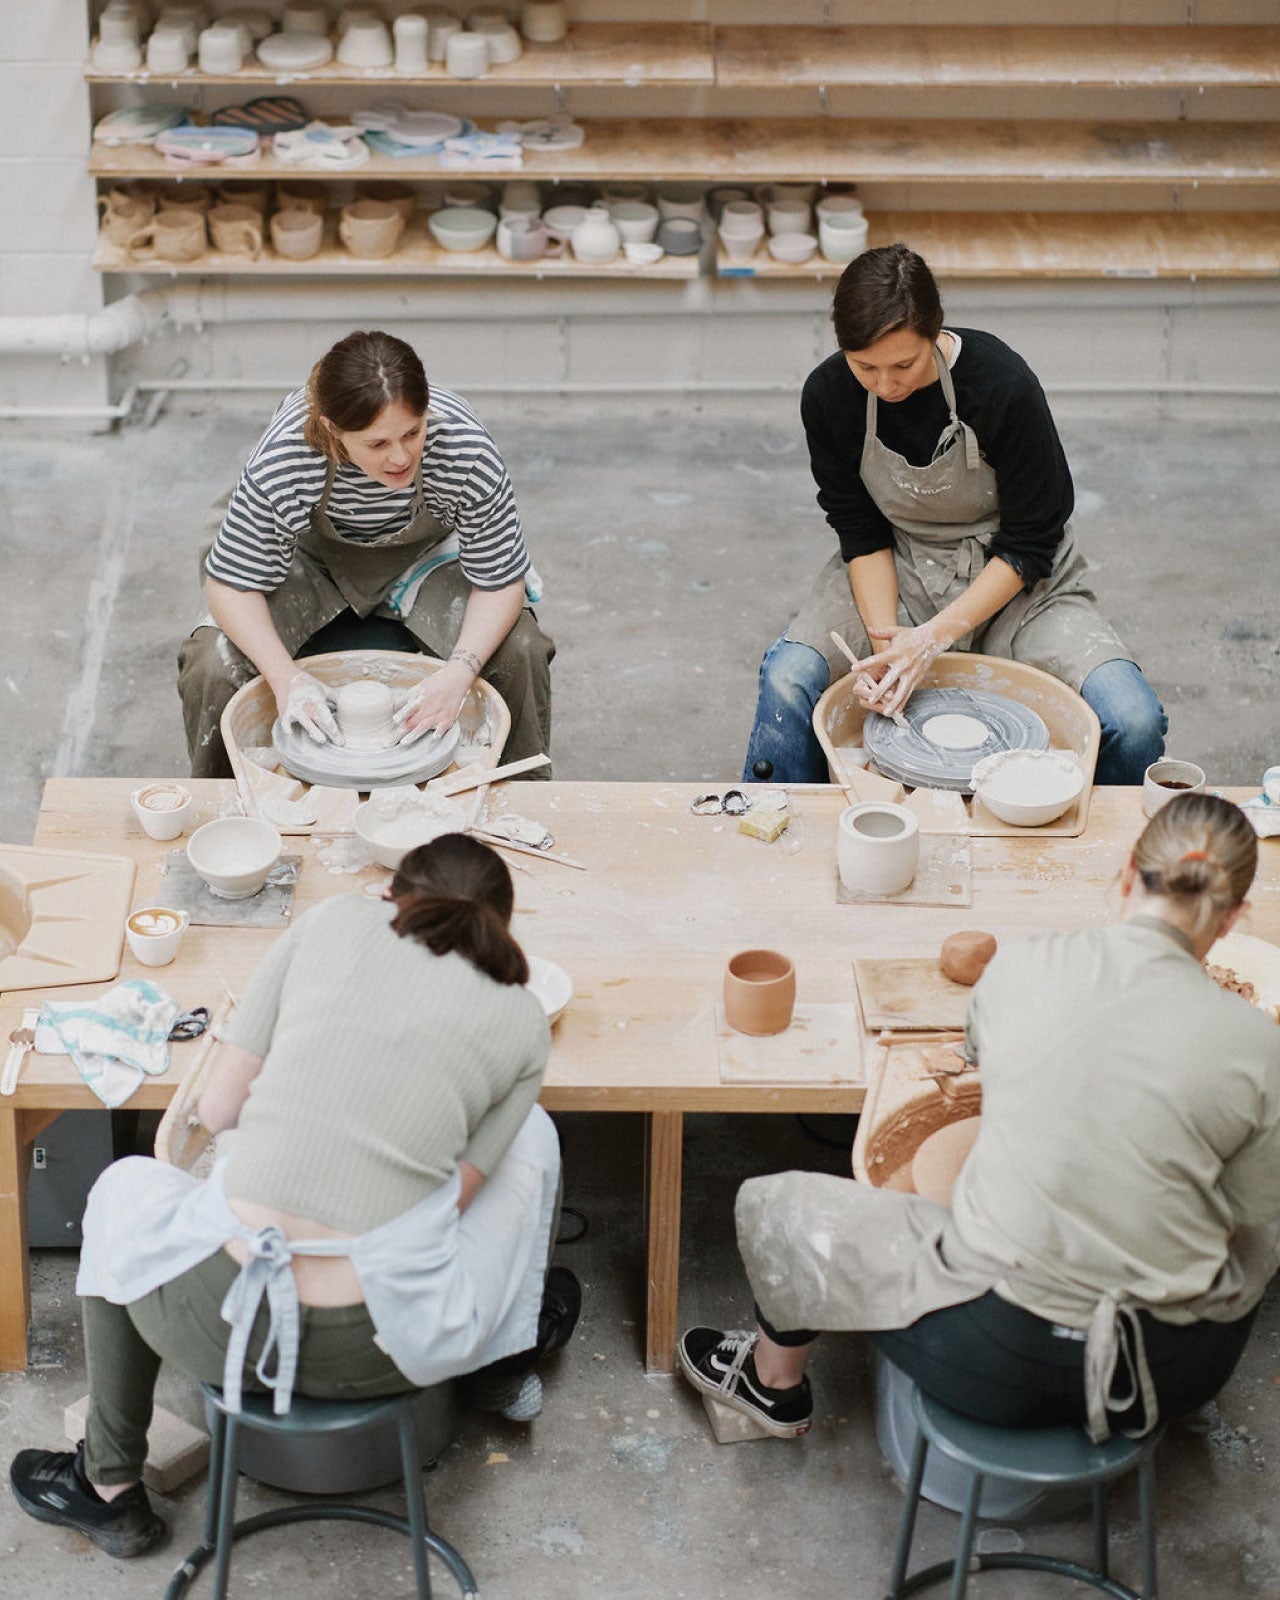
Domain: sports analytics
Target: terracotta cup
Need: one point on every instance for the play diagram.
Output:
(399, 195)
(370, 229)
(123, 213)
(313, 197)
(172, 235)
(759, 991)
(236, 231)
(297, 235)
(183, 197)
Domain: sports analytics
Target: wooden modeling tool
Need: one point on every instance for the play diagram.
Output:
(20, 1041)
(458, 782)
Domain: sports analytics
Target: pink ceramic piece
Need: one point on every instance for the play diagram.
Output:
(759, 991)
(937, 1162)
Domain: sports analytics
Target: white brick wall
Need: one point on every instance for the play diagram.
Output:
(46, 198)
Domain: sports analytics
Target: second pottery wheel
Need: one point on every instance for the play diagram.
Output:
(909, 756)
(362, 769)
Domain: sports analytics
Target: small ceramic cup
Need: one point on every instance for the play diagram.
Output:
(236, 231)
(297, 235)
(154, 934)
(743, 218)
(370, 229)
(295, 196)
(739, 246)
(544, 21)
(789, 216)
(842, 235)
(162, 809)
(680, 236)
(172, 235)
(759, 991)
(877, 848)
(1165, 780)
(635, 220)
(124, 213)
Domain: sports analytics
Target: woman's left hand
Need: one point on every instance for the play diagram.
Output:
(905, 655)
(434, 706)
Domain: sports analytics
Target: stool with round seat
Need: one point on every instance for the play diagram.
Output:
(314, 1418)
(1053, 1458)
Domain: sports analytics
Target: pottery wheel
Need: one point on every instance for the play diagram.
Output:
(909, 756)
(340, 768)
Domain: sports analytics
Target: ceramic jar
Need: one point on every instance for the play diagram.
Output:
(412, 34)
(877, 848)
(596, 239)
(759, 991)
(466, 55)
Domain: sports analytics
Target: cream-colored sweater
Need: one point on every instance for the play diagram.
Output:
(384, 1065)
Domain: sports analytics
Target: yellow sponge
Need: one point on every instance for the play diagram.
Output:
(762, 824)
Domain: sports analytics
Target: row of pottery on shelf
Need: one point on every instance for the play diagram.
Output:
(220, 46)
(787, 219)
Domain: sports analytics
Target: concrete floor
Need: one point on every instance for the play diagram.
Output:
(675, 538)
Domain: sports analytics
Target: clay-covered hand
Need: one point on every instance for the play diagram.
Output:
(904, 656)
(307, 707)
(434, 706)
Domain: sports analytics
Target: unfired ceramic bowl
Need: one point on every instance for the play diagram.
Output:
(1027, 787)
(234, 855)
(462, 227)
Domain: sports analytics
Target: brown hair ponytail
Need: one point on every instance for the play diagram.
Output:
(455, 894)
(1201, 851)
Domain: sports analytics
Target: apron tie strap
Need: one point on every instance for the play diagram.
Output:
(268, 1270)
(1115, 1336)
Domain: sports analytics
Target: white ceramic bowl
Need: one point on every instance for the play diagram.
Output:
(551, 984)
(793, 247)
(641, 254)
(635, 220)
(1027, 787)
(562, 220)
(388, 834)
(234, 855)
(462, 227)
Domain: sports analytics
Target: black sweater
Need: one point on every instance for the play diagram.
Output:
(998, 396)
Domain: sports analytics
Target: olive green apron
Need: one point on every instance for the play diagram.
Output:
(944, 517)
(330, 573)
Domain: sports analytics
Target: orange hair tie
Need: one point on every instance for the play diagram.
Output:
(1195, 855)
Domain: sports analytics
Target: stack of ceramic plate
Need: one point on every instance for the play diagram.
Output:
(934, 754)
(362, 769)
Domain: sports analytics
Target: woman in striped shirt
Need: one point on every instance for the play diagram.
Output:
(372, 512)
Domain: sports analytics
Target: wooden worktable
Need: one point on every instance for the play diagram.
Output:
(644, 933)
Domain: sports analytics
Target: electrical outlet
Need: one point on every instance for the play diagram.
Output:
(39, 1158)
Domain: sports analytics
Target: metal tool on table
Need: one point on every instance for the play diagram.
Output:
(733, 802)
(21, 1040)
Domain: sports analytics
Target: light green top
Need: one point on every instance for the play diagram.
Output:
(385, 1065)
(1130, 1119)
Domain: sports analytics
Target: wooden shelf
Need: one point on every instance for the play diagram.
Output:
(1044, 244)
(416, 256)
(625, 54)
(825, 148)
(998, 57)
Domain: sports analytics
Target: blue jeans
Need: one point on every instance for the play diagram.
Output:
(793, 677)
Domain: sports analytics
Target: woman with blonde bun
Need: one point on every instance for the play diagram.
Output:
(1118, 1219)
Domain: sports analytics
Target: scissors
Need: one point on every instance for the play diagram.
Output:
(190, 1024)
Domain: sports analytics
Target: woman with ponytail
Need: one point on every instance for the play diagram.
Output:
(1118, 1219)
(383, 1218)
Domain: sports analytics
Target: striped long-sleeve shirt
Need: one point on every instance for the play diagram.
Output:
(464, 480)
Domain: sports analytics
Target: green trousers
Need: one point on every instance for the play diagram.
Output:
(181, 1322)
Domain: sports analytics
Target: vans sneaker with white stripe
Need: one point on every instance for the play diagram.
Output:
(723, 1366)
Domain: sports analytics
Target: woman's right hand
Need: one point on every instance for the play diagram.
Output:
(305, 705)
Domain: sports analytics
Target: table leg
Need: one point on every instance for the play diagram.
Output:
(15, 1281)
(663, 1157)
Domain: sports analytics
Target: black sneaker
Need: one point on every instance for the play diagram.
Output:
(50, 1486)
(561, 1308)
(723, 1365)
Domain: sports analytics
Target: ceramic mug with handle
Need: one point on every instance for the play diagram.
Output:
(297, 235)
(124, 213)
(172, 235)
(236, 230)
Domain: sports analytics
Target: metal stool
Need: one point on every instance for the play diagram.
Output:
(307, 1416)
(1051, 1457)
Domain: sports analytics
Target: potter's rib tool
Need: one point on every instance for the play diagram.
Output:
(458, 782)
(21, 1040)
(499, 843)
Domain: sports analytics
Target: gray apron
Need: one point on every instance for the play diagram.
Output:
(944, 517)
(328, 573)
